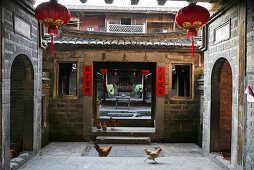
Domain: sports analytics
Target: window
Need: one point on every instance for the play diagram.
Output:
(102, 29)
(156, 30)
(67, 79)
(125, 21)
(181, 78)
(90, 29)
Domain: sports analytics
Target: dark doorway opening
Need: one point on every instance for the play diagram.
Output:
(21, 106)
(221, 109)
(125, 91)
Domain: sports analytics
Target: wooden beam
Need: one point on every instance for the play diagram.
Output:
(242, 74)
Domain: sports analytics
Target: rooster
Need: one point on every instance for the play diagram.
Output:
(112, 122)
(99, 126)
(104, 127)
(103, 152)
(152, 154)
(15, 151)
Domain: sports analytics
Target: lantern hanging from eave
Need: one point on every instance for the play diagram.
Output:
(103, 71)
(191, 18)
(145, 71)
(53, 15)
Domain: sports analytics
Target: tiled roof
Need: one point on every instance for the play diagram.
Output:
(91, 41)
(68, 36)
(123, 9)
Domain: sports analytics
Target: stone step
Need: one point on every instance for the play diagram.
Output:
(125, 111)
(130, 114)
(144, 121)
(122, 140)
(125, 131)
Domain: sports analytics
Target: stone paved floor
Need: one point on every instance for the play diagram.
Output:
(79, 156)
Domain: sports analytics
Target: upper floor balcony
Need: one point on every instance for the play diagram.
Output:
(118, 28)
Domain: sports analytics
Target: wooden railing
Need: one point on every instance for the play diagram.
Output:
(115, 28)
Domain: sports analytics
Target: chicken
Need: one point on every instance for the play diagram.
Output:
(104, 127)
(103, 152)
(112, 122)
(99, 126)
(152, 154)
(15, 151)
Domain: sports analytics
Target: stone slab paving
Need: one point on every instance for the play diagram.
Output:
(67, 156)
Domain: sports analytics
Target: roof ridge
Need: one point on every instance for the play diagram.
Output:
(132, 8)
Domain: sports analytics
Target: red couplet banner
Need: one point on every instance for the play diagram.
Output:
(160, 81)
(87, 80)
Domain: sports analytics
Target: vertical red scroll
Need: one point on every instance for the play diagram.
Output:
(160, 82)
(87, 81)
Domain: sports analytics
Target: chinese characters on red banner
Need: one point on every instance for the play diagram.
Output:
(87, 86)
(160, 82)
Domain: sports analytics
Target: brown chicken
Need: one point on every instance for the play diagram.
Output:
(102, 152)
(15, 151)
(152, 154)
(104, 127)
(112, 123)
(99, 126)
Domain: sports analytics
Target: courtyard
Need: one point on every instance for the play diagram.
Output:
(82, 155)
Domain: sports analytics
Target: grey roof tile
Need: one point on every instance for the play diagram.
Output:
(81, 40)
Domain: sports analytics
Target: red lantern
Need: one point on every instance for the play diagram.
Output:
(103, 71)
(53, 15)
(191, 18)
(145, 71)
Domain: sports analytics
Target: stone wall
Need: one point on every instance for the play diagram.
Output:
(216, 51)
(249, 140)
(71, 117)
(1, 136)
(181, 115)
(20, 43)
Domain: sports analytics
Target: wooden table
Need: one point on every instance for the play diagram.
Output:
(123, 99)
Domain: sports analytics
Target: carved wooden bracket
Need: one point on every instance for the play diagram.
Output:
(161, 2)
(134, 2)
(109, 1)
(83, 1)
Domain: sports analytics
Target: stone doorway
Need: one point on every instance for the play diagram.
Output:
(21, 106)
(132, 95)
(221, 109)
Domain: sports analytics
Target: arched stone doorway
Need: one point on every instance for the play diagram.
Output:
(21, 106)
(221, 108)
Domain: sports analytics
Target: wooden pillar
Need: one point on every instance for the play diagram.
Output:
(144, 88)
(242, 74)
(104, 87)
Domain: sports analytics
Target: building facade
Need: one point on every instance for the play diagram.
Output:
(228, 55)
(123, 49)
(173, 117)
